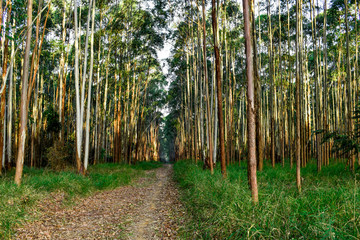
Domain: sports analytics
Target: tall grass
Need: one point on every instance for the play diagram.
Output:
(327, 208)
(16, 202)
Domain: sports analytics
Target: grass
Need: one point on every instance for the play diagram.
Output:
(17, 202)
(327, 208)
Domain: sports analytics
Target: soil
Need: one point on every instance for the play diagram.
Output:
(147, 209)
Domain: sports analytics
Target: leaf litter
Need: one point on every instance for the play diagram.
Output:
(148, 209)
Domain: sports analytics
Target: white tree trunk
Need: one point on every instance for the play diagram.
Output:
(10, 99)
(87, 130)
(77, 90)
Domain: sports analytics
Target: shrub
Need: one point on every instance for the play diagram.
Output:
(59, 156)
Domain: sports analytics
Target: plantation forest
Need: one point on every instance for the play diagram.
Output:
(180, 119)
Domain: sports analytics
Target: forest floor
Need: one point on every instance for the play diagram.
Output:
(218, 208)
(147, 209)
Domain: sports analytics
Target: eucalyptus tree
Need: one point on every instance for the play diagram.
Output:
(251, 111)
(93, 65)
(207, 99)
(349, 84)
(58, 63)
(218, 85)
(135, 45)
(87, 129)
(298, 105)
(5, 51)
(24, 97)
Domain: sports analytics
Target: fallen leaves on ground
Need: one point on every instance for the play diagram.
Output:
(148, 209)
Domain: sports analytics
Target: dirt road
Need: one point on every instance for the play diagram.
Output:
(147, 209)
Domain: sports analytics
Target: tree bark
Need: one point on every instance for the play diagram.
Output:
(298, 105)
(77, 94)
(208, 118)
(10, 102)
(3, 95)
(219, 88)
(88, 109)
(257, 86)
(272, 91)
(62, 77)
(24, 103)
(348, 86)
(251, 102)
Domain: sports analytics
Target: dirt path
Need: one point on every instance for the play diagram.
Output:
(148, 209)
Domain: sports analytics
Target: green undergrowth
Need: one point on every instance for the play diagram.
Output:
(17, 202)
(327, 208)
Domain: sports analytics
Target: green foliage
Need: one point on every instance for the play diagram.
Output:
(59, 156)
(345, 142)
(146, 165)
(17, 202)
(222, 209)
(52, 117)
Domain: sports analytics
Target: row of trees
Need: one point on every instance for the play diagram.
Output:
(80, 81)
(288, 70)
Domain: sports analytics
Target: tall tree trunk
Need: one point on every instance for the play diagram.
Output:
(33, 79)
(3, 94)
(214, 111)
(325, 101)
(208, 118)
(257, 85)
(272, 90)
(62, 76)
(77, 94)
(24, 103)
(290, 114)
(298, 105)
(88, 109)
(219, 88)
(105, 100)
(357, 77)
(318, 124)
(97, 125)
(348, 86)
(10, 102)
(282, 98)
(251, 111)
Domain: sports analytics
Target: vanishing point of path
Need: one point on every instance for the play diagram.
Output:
(147, 209)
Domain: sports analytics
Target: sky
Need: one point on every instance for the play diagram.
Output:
(163, 55)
